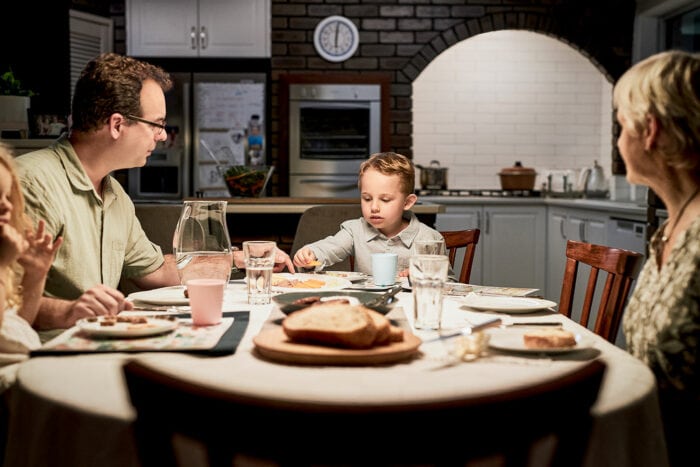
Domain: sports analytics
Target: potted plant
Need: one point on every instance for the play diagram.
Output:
(14, 103)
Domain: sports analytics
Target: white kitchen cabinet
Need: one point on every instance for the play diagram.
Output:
(198, 28)
(571, 224)
(511, 246)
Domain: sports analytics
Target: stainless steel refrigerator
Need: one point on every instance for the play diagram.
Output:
(212, 119)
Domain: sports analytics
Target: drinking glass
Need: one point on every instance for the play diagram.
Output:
(429, 247)
(201, 243)
(259, 261)
(428, 274)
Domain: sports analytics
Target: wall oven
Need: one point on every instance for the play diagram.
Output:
(332, 129)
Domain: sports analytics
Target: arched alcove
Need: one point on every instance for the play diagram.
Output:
(511, 95)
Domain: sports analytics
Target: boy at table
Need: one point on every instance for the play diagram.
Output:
(386, 181)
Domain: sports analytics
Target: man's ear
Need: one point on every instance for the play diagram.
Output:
(410, 201)
(115, 123)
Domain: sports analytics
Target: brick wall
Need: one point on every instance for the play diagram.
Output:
(401, 37)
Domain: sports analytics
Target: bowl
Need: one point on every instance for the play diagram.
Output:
(246, 181)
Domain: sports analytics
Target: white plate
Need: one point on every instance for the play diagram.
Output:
(121, 329)
(330, 283)
(349, 275)
(174, 295)
(506, 304)
(512, 340)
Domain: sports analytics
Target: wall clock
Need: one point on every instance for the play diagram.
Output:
(336, 38)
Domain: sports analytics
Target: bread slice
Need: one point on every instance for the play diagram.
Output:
(395, 334)
(333, 324)
(549, 338)
(383, 327)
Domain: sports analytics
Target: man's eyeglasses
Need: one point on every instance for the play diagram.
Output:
(157, 127)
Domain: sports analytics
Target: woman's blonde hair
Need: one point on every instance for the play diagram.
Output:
(18, 220)
(391, 163)
(666, 86)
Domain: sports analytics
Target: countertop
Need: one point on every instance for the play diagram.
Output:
(287, 205)
(597, 204)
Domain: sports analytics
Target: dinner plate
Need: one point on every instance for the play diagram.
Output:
(275, 345)
(349, 275)
(174, 295)
(511, 340)
(286, 301)
(506, 304)
(152, 326)
(328, 283)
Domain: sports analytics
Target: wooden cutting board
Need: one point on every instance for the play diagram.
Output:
(275, 345)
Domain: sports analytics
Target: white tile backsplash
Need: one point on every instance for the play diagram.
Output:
(511, 95)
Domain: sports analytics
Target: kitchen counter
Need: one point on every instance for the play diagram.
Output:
(597, 204)
(287, 205)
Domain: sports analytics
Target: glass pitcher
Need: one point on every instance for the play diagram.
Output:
(201, 243)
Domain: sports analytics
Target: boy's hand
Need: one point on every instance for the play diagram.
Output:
(304, 257)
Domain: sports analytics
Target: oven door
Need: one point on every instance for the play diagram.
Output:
(332, 137)
(323, 186)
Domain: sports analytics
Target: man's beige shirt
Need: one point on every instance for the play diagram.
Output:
(102, 238)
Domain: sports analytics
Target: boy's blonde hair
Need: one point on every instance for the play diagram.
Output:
(391, 163)
(667, 86)
(18, 220)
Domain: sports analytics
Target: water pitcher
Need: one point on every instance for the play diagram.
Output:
(201, 243)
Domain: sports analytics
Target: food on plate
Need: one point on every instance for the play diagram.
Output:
(339, 325)
(297, 284)
(316, 300)
(549, 338)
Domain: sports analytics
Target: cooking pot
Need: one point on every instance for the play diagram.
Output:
(517, 177)
(433, 177)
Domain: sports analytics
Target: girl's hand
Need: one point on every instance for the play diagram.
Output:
(38, 257)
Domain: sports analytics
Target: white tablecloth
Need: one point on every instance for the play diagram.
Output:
(74, 410)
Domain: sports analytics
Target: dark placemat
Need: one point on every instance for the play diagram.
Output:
(226, 345)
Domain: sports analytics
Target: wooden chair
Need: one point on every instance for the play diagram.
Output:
(226, 426)
(319, 222)
(455, 239)
(622, 267)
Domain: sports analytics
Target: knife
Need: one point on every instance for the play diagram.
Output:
(465, 331)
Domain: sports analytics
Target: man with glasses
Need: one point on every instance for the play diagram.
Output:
(118, 118)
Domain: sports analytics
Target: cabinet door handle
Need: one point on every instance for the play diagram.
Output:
(193, 37)
(488, 222)
(203, 38)
(582, 231)
(478, 220)
(561, 228)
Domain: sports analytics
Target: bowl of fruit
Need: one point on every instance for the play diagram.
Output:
(246, 181)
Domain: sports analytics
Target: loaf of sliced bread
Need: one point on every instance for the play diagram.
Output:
(549, 338)
(339, 325)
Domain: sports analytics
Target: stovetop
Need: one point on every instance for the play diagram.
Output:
(494, 192)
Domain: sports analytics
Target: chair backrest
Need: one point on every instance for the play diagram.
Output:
(505, 424)
(622, 267)
(456, 239)
(319, 222)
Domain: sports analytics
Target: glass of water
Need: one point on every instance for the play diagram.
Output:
(428, 274)
(429, 247)
(259, 261)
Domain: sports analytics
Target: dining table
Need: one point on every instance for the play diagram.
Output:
(73, 409)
